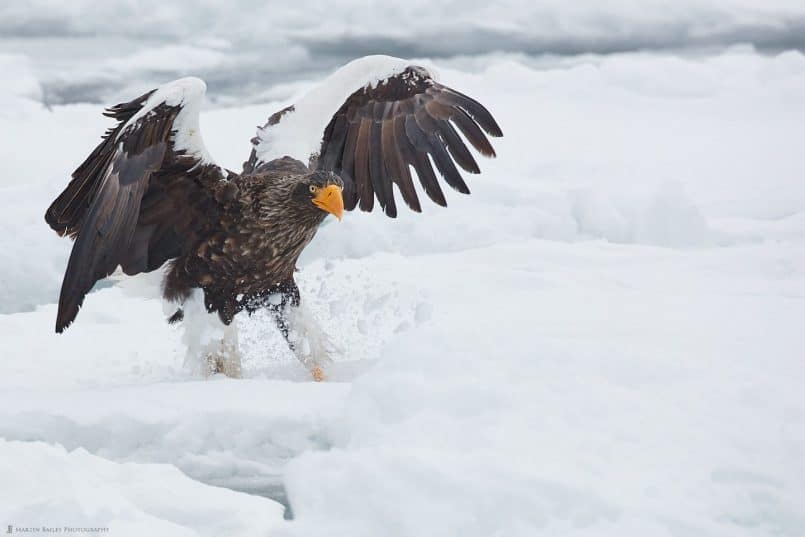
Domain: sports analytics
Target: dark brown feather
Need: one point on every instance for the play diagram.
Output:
(428, 179)
(448, 170)
(475, 109)
(377, 169)
(396, 168)
(337, 134)
(457, 148)
(64, 214)
(409, 155)
(347, 168)
(362, 180)
(107, 228)
(473, 134)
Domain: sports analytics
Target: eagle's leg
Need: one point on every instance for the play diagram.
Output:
(225, 357)
(212, 346)
(309, 341)
(304, 336)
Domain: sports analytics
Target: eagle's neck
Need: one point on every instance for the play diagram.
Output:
(279, 226)
(277, 208)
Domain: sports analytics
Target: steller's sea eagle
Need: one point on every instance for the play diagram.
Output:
(150, 195)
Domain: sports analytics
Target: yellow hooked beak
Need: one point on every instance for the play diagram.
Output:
(329, 199)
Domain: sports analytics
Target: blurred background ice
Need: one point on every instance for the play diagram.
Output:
(251, 50)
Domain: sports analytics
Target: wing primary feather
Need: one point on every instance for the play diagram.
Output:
(362, 181)
(414, 133)
(65, 213)
(428, 179)
(416, 146)
(396, 168)
(434, 145)
(447, 169)
(347, 168)
(425, 121)
(473, 108)
(406, 152)
(476, 137)
(377, 170)
(439, 110)
(336, 134)
(107, 229)
(457, 148)
(381, 110)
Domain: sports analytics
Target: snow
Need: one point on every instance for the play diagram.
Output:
(588, 411)
(604, 339)
(606, 390)
(75, 492)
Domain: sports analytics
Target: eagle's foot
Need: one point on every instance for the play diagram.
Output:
(226, 360)
(228, 365)
(317, 361)
(311, 345)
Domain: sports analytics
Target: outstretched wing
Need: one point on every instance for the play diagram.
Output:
(399, 118)
(140, 196)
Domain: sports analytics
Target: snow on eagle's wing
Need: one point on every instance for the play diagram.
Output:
(140, 196)
(399, 118)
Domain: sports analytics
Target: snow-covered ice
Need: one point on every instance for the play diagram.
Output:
(604, 339)
(77, 492)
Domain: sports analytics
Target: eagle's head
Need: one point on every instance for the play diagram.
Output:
(321, 191)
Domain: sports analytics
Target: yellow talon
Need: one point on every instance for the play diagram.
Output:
(318, 374)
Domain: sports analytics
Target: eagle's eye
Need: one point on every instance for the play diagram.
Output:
(313, 189)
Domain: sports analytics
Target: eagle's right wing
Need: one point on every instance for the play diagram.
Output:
(141, 196)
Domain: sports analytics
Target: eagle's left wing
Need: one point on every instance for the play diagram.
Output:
(143, 196)
(389, 116)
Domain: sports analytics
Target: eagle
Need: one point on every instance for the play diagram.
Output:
(150, 196)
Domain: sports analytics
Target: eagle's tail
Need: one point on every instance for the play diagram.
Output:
(177, 316)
